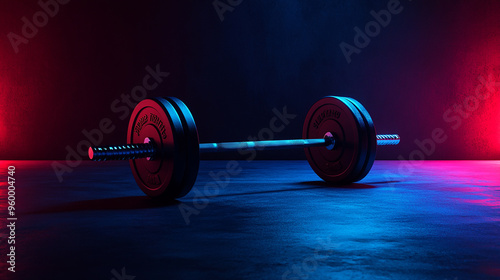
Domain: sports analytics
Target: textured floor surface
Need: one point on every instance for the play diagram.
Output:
(264, 220)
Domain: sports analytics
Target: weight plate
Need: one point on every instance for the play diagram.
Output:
(371, 138)
(158, 120)
(341, 118)
(192, 143)
(363, 139)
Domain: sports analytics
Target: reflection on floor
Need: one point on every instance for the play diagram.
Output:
(272, 220)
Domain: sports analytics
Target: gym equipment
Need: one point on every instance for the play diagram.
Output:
(339, 140)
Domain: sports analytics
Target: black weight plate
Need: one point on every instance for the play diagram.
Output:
(372, 138)
(363, 139)
(341, 118)
(158, 120)
(192, 143)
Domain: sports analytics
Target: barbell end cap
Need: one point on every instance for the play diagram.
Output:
(388, 139)
(91, 153)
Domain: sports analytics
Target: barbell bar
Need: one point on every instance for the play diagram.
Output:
(149, 150)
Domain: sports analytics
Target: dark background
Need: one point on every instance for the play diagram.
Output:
(232, 73)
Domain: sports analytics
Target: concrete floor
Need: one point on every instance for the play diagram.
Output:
(266, 220)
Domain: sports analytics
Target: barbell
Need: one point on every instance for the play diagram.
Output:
(163, 147)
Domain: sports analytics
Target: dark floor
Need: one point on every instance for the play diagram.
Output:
(272, 220)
